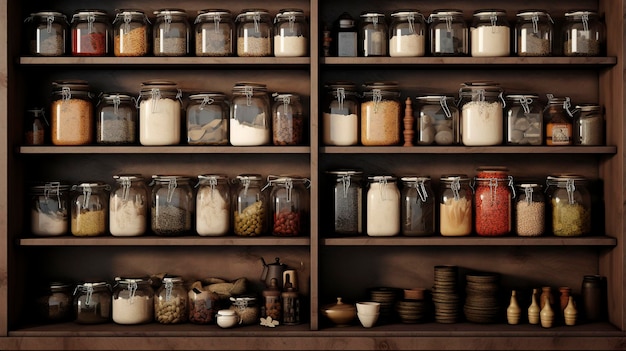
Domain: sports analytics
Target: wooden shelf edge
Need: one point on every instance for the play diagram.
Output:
(177, 149)
(599, 241)
(601, 150)
(165, 241)
(470, 61)
(163, 61)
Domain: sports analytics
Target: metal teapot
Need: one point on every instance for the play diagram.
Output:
(273, 271)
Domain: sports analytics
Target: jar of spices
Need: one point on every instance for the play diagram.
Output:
(72, 113)
(570, 205)
(407, 34)
(437, 121)
(455, 205)
(128, 206)
(254, 33)
(249, 115)
(482, 112)
(171, 33)
(36, 127)
(589, 125)
(291, 38)
(534, 33)
(341, 116)
(583, 34)
(344, 43)
(214, 30)
(249, 206)
(160, 108)
(91, 33)
(90, 209)
(558, 120)
(131, 33)
(247, 309)
(203, 304)
(117, 120)
(289, 205)
(54, 304)
(448, 33)
(418, 206)
(287, 119)
(172, 205)
(170, 301)
(373, 35)
(347, 206)
(92, 303)
(490, 34)
(493, 201)
(207, 119)
(381, 122)
(47, 31)
(272, 306)
(383, 206)
(133, 301)
(213, 205)
(530, 209)
(49, 209)
(524, 120)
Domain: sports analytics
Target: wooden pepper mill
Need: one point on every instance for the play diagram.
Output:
(408, 120)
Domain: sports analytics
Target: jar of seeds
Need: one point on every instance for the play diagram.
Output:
(530, 209)
(128, 206)
(171, 33)
(570, 205)
(213, 205)
(117, 120)
(380, 114)
(172, 205)
(291, 38)
(47, 31)
(287, 119)
(131, 33)
(49, 209)
(207, 119)
(534, 33)
(347, 206)
(524, 120)
(170, 301)
(249, 206)
(92, 303)
(71, 113)
(90, 209)
(160, 111)
(437, 121)
(254, 33)
(91, 33)
(583, 34)
(214, 33)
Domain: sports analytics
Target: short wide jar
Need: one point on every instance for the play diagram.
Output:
(92, 303)
(47, 31)
(570, 205)
(171, 33)
(133, 301)
(49, 209)
(492, 201)
(90, 209)
(490, 34)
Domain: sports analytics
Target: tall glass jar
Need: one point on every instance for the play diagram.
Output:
(490, 34)
(380, 114)
(91, 33)
(534, 33)
(287, 119)
(72, 113)
(131, 33)
(213, 205)
(207, 119)
(383, 206)
(373, 35)
(128, 206)
(90, 209)
(47, 31)
(558, 121)
(418, 206)
(407, 34)
(117, 119)
(54, 303)
(249, 115)
(493, 197)
(347, 207)
(583, 34)
(437, 120)
(254, 33)
(340, 122)
(524, 120)
(570, 205)
(455, 205)
(171, 301)
(530, 209)
(214, 30)
(171, 33)
(291, 34)
(289, 209)
(36, 127)
(172, 205)
(133, 301)
(345, 37)
(448, 33)
(49, 209)
(249, 206)
(92, 303)
(589, 125)
(482, 112)
(160, 108)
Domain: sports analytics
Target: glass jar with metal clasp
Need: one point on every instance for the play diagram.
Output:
(250, 115)
(437, 120)
(172, 205)
(583, 34)
(90, 209)
(373, 36)
(482, 121)
(117, 120)
(47, 32)
(570, 205)
(254, 33)
(92, 302)
(407, 34)
(207, 119)
(448, 33)
(418, 206)
(160, 113)
(133, 301)
(131, 33)
(524, 120)
(347, 194)
(534, 33)
(455, 205)
(558, 121)
(128, 206)
(289, 210)
(287, 119)
(291, 37)
(340, 120)
(490, 34)
(250, 216)
(214, 30)
(171, 33)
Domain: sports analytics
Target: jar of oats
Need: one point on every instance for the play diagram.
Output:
(160, 110)
(214, 33)
(380, 114)
(290, 33)
(131, 33)
(128, 206)
(170, 301)
(47, 32)
(171, 33)
(90, 209)
(116, 119)
(254, 33)
(72, 113)
(207, 119)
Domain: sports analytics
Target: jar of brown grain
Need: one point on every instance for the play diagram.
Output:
(131, 33)
(72, 113)
(287, 119)
(380, 114)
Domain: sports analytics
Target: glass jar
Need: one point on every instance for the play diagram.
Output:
(490, 34)
(418, 206)
(47, 31)
(448, 33)
(92, 303)
(524, 120)
(90, 209)
(249, 206)
(530, 209)
(133, 301)
(347, 210)
(583, 34)
(117, 119)
(482, 112)
(341, 116)
(214, 33)
(558, 121)
(131, 33)
(172, 205)
(344, 43)
(36, 127)
(171, 33)
(160, 108)
(381, 114)
(289, 208)
(455, 206)
(54, 304)
(272, 307)
(72, 113)
(534, 33)
(254, 33)
(49, 209)
(170, 301)
(203, 305)
(493, 197)
(287, 119)
(407, 34)
(207, 119)
(247, 309)
(128, 206)
(589, 125)
(249, 115)
(91, 33)
(383, 206)
(570, 205)
(213, 205)
(437, 121)
(291, 38)
(373, 36)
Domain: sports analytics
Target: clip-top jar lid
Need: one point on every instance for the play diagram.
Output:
(249, 177)
(446, 13)
(289, 12)
(165, 12)
(453, 177)
(489, 12)
(528, 13)
(403, 13)
(580, 13)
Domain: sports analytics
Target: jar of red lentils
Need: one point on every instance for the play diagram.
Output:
(91, 33)
(492, 201)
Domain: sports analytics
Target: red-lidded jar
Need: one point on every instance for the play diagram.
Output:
(492, 201)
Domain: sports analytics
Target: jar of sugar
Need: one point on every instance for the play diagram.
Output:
(490, 34)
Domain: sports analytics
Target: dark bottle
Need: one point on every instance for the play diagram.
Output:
(37, 128)
(344, 43)
(593, 293)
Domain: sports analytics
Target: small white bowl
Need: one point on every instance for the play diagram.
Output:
(368, 307)
(227, 318)
(367, 320)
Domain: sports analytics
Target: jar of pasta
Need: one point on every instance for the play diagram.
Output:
(250, 115)
(482, 112)
(172, 205)
(493, 196)
(437, 120)
(383, 206)
(254, 33)
(249, 206)
(49, 209)
(128, 206)
(373, 36)
(160, 109)
(92, 302)
(558, 121)
(171, 33)
(289, 208)
(583, 34)
(340, 122)
(116, 119)
(131, 33)
(90, 209)
(72, 113)
(530, 209)
(291, 37)
(47, 31)
(534, 33)
(570, 205)
(455, 205)
(418, 206)
(287, 119)
(490, 34)
(213, 205)
(407, 34)
(380, 114)
(207, 119)
(133, 301)
(347, 207)
(524, 120)
(448, 33)
(214, 33)
(171, 301)
(91, 33)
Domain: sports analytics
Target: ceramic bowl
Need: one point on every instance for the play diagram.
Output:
(227, 318)
(368, 307)
(367, 320)
(340, 313)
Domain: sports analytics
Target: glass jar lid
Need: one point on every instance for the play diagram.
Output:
(169, 178)
(589, 107)
(72, 84)
(90, 15)
(214, 15)
(210, 178)
(243, 300)
(256, 14)
(129, 281)
(50, 188)
(489, 13)
(149, 85)
(87, 186)
(345, 173)
(285, 97)
(129, 14)
(374, 17)
(208, 97)
(382, 178)
(532, 13)
(172, 279)
(289, 14)
(128, 177)
(445, 13)
(59, 286)
(53, 15)
(245, 87)
(116, 97)
(434, 98)
(249, 177)
(170, 12)
(90, 286)
(415, 179)
(562, 178)
(451, 178)
(580, 13)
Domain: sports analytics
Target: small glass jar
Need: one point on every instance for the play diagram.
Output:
(246, 307)
(90, 209)
(345, 37)
(171, 301)
(47, 31)
(570, 205)
(54, 304)
(128, 206)
(249, 206)
(493, 198)
(207, 119)
(213, 205)
(291, 37)
(254, 33)
(455, 205)
(72, 113)
(214, 33)
(91, 33)
(380, 114)
(524, 120)
(373, 36)
(92, 303)
(530, 209)
(172, 205)
(133, 301)
(589, 125)
(482, 112)
(36, 127)
(116, 122)
(160, 109)
(171, 33)
(131, 33)
(583, 34)
(558, 121)
(289, 208)
(437, 121)
(341, 116)
(347, 210)
(490, 34)
(407, 34)
(203, 305)
(534, 33)
(49, 209)
(448, 33)
(272, 307)
(287, 119)
(249, 115)
(418, 206)
(383, 206)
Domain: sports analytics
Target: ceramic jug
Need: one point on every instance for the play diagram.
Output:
(273, 271)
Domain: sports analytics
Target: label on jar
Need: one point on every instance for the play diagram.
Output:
(559, 134)
(346, 44)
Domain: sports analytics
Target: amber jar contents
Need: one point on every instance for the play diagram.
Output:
(36, 127)
(131, 33)
(492, 202)
(90, 209)
(72, 113)
(380, 114)
(455, 206)
(558, 121)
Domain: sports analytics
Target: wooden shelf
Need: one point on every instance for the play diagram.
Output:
(554, 62)
(177, 149)
(602, 150)
(164, 61)
(600, 241)
(165, 241)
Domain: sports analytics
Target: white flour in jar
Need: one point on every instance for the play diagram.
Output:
(212, 215)
(134, 310)
(290, 46)
(490, 41)
(242, 134)
(383, 210)
(48, 224)
(407, 45)
(159, 122)
(127, 218)
(481, 123)
(341, 130)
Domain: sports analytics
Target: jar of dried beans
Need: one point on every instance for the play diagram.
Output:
(583, 34)
(117, 119)
(207, 119)
(490, 34)
(437, 121)
(524, 120)
(492, 201)
(254, 33)
(91, 33)
(383, 206)
(36, 127)
(171, 33)
(128, 206)
(249, 206)
(54, 303)
(570, 205)
(47, 31)
(49, 209)
(289, 205)
(92, 303)
(482, 112)
(291, 37)
(347, 206)
(172, 205)
(448, 33)
(72, 113)
(534, 33)
(380, 114)
(90, 209)
(340, 122)
(287, 119)
(131, 33)
(418, 206)
(171, 301)
(455, 205)
(160, 109)
(214, 33)
(407, 34)
(250, 115)
(373, 35)
(133, 301)
(530, 209)
(203, 304)
(213, 205)
(558, 119)
(589, 125)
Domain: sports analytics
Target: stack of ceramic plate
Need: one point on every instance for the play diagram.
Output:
(446, 296)
(481, 300)
(411, 311)
(387, 298)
